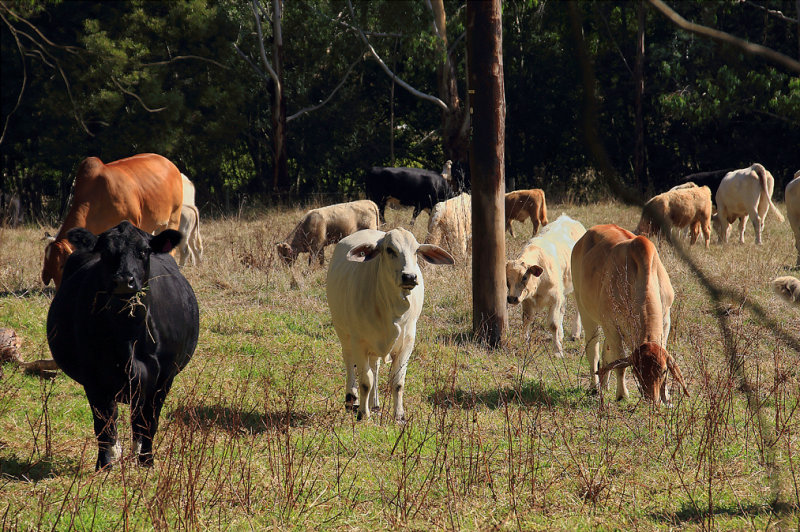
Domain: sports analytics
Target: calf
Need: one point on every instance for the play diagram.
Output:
(413, 187)
(375, 292)
(524, 204)
(123, 323)
(792, 198)
(689, 206)
(327, 225)
(450, 224)
(542, 276)
(621, 286)
(741, 194)
(788, 288)
(191, 247)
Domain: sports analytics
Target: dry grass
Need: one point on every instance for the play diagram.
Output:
(254, 433)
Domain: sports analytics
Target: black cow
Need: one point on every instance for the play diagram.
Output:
(123, 323)
(413, 187)
(710, 179)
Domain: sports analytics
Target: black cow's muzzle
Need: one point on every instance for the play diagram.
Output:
(125, 284)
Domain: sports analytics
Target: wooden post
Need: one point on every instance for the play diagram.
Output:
(487, 151)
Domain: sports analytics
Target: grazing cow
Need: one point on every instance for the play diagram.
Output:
(542, 276)
(145, 189)
(741, 194)
(680, 207)
(788, 288)
(450, 225)
(792, 198)
(524, 204)
(188, 191)
(191, 247)
(327, 225)
(375, 292)
(413, 187)
(123, 324)
(621, 286)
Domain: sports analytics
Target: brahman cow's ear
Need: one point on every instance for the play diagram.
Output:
(676, 373)
(165, 241)
(362, 253)
(618, 363)
(535, 270)
(435, 254)
(81, 238)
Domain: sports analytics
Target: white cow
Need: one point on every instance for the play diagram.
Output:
(542, 276)
(450, 224)
(622, 286)
(188, 190)
(375, 293)
(191, 246)
(792, 197)
(741, 194)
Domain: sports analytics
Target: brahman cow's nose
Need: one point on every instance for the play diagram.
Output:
(409, 278)
(513, 300)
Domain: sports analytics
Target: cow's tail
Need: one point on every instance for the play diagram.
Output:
(762, 178)
(788, 288)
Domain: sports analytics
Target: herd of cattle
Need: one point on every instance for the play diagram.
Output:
(124, 321)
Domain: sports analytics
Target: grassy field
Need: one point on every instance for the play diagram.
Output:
(254, 434)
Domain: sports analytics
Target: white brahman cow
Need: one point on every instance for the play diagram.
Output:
(375, 293)
(741, 194)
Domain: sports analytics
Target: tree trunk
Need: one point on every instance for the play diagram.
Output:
(280, 178)
(455, 120)
(485, 65)
(639, 164)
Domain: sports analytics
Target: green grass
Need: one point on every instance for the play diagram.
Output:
(254, 434)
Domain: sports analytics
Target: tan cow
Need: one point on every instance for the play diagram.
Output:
(188, 191)
(680, 207)
(450, 225)
(191, 246)
(621, 286)
(524, 204)
(542, 277)
(788, 288)
(792, 198)
(145, 189)
(327, 225)
(741, 194)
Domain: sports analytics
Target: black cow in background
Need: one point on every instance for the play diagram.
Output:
(123, 323)
(710, 179)
(413, 187)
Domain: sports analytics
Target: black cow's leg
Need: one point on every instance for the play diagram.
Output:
(104, 412)
(382, 209)
(417, 210)
(144, 420)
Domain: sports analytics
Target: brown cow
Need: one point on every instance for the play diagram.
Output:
(689, 206)
(524, 204)
(145, 189)
(621, 285)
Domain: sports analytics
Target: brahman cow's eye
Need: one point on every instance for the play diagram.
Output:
(391, 252)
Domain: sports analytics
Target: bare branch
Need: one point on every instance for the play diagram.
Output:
(186, 57)
(136, 96)
(272, 73)
(388, 71)
(774, 12)
(721, 36)
(255, 66)
(326, 100)
(22, 88)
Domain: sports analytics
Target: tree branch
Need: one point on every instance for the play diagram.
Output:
(774, 12)
(721, 36)
(136, 96)
(272, 73)
(186, 57)
(253, 65)
(326, 100)
(406, 86)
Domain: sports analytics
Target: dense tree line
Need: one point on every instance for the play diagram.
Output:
(190, 80)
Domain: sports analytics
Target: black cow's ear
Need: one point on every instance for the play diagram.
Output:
(81, 239)
(165, 241)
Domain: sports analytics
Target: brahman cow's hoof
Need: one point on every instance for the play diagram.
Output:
(350, 402)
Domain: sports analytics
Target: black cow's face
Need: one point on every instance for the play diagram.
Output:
(125, 252)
